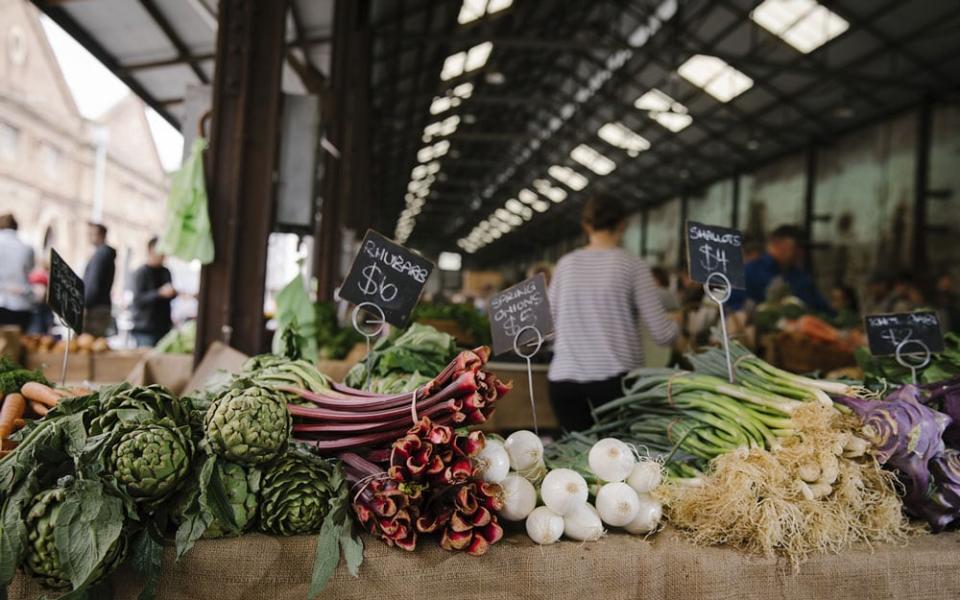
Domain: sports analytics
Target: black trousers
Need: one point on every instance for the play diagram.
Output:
(571, 400)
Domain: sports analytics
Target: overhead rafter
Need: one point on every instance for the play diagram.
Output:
(173, 37)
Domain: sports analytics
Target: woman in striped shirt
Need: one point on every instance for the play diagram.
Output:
(599, 294)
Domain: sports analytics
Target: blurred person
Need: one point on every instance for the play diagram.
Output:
(879, 296)
(98, 281)
(780, 267)
(153, 292)
(41, 317)
(843, 300)
(906, 295)
(16, 262)
(599, 294)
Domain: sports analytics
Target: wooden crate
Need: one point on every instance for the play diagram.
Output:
(513, 410)
(79, 365)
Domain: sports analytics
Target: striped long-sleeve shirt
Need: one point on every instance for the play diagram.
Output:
(598, 297)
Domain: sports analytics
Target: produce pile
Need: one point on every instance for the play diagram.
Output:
(82, 344)
(882, 372)
(404, 360)
(471, 321)
(180, 340)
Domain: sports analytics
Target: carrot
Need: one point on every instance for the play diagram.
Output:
(38, 409)
(37, 392)
(19, 424)
(7, 445)
(13, 408)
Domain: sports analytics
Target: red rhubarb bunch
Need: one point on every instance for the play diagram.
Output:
(427, 485)
(342, 418)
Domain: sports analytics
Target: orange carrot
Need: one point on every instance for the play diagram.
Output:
(38, 409)
(13, 408)
(19, 424)
(37, 392)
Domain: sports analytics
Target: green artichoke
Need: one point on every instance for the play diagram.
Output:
(126, 403)
(242, 485)
(152, 460)
(249, 424)
(277, 373)
(297, 492)
(42, 559)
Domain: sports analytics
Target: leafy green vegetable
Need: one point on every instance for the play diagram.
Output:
(473, 322)
(882, 371)
(181, 340)
(296, 320)
(13, 376)
(419, 349)
(335, 341)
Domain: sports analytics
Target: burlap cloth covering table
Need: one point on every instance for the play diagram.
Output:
(665, 567)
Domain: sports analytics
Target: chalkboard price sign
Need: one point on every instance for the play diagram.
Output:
(886, 332)
(388, 275)
(712, 249)
(523, 305)
(65, 292)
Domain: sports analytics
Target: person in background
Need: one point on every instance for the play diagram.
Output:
(878, 297)
(98, 281)
(599, 294)
(41, 317)
(780, 265)
(843, 300)
(152, 294)
(906, 296)
(16, 261)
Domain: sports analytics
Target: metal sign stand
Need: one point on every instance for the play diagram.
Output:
(914, 367)
(66, 354)
(368, 334)
(536, 348)
(719, 291)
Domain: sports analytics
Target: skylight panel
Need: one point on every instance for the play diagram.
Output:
(568, 177)
(715, 76)
(527, 197)
(464, 90)
(541, 206)
(593, 160)
(672, 121)
(619, 135)
(804, 24)
(465, 61)
(547, 189)
(664, 110)
(471, 10)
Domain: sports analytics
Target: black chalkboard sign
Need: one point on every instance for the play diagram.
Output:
(65, 292)
(713, 249)
(886, 332)
(388, 275)
(523, 305)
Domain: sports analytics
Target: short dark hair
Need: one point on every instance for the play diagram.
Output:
(603, 212)
(8, 221)
(789, 232)
(152, 243)
(100, 227)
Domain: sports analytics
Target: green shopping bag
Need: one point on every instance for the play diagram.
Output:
(187, 233)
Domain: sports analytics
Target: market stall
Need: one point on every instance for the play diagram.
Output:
(664, 567)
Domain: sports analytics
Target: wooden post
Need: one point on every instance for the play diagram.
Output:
(242, 160)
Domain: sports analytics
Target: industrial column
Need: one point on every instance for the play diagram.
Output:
(241, 166)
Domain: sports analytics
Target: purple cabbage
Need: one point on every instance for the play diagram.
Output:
(945, 396)
(905, 434)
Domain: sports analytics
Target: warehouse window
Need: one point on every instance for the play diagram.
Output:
(715, 76)
(9, 141)
(51, 157)
(804, 24)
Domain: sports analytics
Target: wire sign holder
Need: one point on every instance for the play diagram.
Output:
(911, 338)
(65, 297)
(536, 348)
(715, 259)
(520, 320)
(368, 333)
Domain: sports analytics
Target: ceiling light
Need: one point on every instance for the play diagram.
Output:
(541, 206)
(495, 78)
(419, 172)
(715, 76)
(464, 90)
(471, 10)
(526, 196)
(465, 61)
(527, 214)
(672, 121)
(449, 261)
(619, 135)
(567, 176)
(593, 160)
(554, 193)
(432, 167)
(515, 220)
(514, 206)
(496, 233)
(503, 214)
(440, 104)
(804, 24)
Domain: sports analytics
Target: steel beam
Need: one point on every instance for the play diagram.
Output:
(243, 154)
(921, 184)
